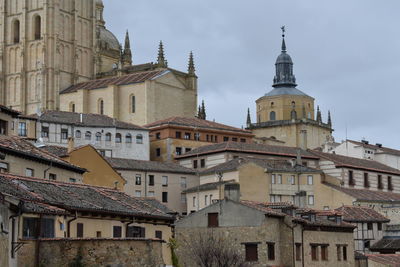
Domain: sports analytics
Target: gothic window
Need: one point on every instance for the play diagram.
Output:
(293, 115)
(37, 22)
(133, 104)
(16, 31)
(101, 106)
(272, 116)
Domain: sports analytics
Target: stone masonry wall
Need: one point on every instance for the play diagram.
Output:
(94, 252)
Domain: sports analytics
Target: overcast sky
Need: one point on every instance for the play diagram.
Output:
(346, 54)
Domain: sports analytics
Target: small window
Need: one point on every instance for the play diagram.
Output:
(369, 226)
(165, 197)
(4, 167)
(158, 234)
(197, 136)
(379, 226)
(158, 152)
(380, 183)
(108, 137)
(178, 135)
(135, 231)
(151, 194)
(314, 252)
(183, 198)
(213, 220)
(118, 138)
(38, 28)
(138, 179)
(22, 129)
(164, 181)
(88, 135)
(45, 132)
(273, 181)
(324, 252)
(292, 179)
(29, 172)
(242, 140)
(178, 151)
(52, 176)
(78, 134)
(101, 106)
(298, 252)
(351, 179)
(293, 115)
(72, 107)
(98, 137)
(187, 136)
(64, 134)
(272, 116)
(234, 139)
(72, 180)
(310, 180)
(138, 193)
(311, 200)
(98, 234)
(183, 183)
(194, 164)
(133, 104)
(117, 231)
(194, 202)
(279, 179)
(344, 253)
(389, 183)
(158, 136)
(187, 149)
(128, 138)
(226, 138)
(251, 251)
(271, 251)
(16, 32)
(151, 180)
(366, 180)
(139, 139)
(79, 230)
(202, 163)
(206, 200)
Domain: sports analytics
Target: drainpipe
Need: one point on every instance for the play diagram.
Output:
(69, 224)
(46, 170)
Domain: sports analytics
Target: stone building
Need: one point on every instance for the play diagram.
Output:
(286, 114)
(96, 220)
(111, 137)
(164, 181)
(178, 135)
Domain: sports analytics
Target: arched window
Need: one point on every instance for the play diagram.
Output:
(101, 106)
(98, 137)
(133, 104)
(139, 139)
(72, 107)
(293, 104)
(88, 135)
(108, 137)
(37, 31)
(272, 104)
(118, 138)
(16, 33)
(272, 116)
(128, 138)
(78, 134)
(293, 115)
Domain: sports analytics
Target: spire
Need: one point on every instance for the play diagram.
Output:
(191, 67)
(203, 111)
(199, 112)
(127, 55)
(161, 62)
(329, 119)
(319, 116)
(284, 76)
(248, 122)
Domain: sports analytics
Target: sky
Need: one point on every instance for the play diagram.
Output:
(346, 54)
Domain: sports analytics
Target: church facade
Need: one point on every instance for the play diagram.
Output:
(285, 115)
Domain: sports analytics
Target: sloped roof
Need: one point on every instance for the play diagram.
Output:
(137, 77)
(206, 186)
(361, 214)
(382, 148)
(392, 260)
(22, 148)
(262, 206)
(144, 165)
(249, 148)
(59, 151)
(88, 120)
(9, 111)
(79, 197)
(270, 165)
(356, 163)
(368, 195)
(387, 243)
(286, 91)
(196, 123)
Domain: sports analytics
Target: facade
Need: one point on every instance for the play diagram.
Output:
(286, 114)
(163, 181)
(177, 135)
(262, 236)
(20, 157)
(111, 137)
(67, 211)
(262, 180)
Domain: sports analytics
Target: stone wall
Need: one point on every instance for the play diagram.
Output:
(94, 252)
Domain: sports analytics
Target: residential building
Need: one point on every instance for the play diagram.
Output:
(164, 181)
(262, 180)
(263, 236)
(99, 171)
(20, 157)
(75, 213)
(370, 225)
(111, 137)
(209, 156)
(286, 114)
(365, 150)
(390, 242)
(176, 136)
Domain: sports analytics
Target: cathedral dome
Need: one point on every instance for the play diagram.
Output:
(108, 41)
(284, 58)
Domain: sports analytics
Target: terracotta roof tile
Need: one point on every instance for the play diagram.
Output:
(388, 243)
(368, 195)
(137, 77)
(356, 163)
(392, 259)
(59, 151)
(361, 214)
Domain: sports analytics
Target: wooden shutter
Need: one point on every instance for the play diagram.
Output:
(79, 230)
(212, 219)
(251, 252)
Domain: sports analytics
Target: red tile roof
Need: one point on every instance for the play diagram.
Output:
(137, 77)
(368, 195)
(361, 214)
(356, 163)
(393, 260)
(262, 206)
(196, 123)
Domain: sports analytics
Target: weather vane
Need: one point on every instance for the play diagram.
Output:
(283, 31)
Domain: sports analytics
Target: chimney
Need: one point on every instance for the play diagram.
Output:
(71, 144)
(232, 192)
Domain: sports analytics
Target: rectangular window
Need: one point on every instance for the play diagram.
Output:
(178, 151)
(271, 251)
(242, 140)
(226, 138)
(194, 164)
(188, 149)
(183, 198)
(389, 183)
(251, 251)
(72, 180)
(151, 180)
(64, 134)
(212, 219)
(298, 252)
(135, 231)
(352, 182)
(380, 183)
(3, 127)
(345, 253)
(158, 234)
(314, 252)
(117, 231)
(183, 182)
(275, 198)
(339, 252)
(158, 135)
(292, 180)
(279, 178)
(324, 252)
(202, 163)
(310, 180)
(311, 200)
(379, 226)
(138, 193)
(369, 226)
(98, 234)
(206, 200)
(52, 176)
(234, 139)
(31, 225)
(273, 179)
(158, 152)
(29, 172)
(138, 180)
(151, 194)
(194, 202)
(178, 135)
(197, 136)
(3, 167)
(187, 136)
(165, 197)
(79, 230)
(45, 132)
(366, 180)
(22, 129)
(165, 181)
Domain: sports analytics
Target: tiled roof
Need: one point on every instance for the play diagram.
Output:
(196, 123)
(78, 197)
(368, 195)
(356, 163)
(261, 206)
(206, 187)
(388, 243)
(250, 149)
(382, 148)
(361, 214)
(270, 165)
(9, 111)
(137, 77)
(88, 120)
(22, 148)
(392, 260)
(152, 166)
(59, 151)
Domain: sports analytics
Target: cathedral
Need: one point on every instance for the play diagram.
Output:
(59, 55)
(286, 115)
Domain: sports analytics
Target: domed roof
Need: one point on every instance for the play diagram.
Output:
(99, 3)
(108, 39)
(284, 58)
